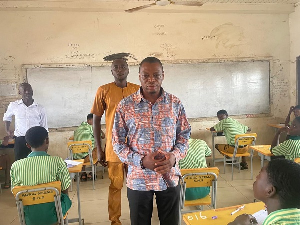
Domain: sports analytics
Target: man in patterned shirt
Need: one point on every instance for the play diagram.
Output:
(290, 148)
(277, 185)
(230, 127)
(149, 123)
(195, 158)
(38, 168)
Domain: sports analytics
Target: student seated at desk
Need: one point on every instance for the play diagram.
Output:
(195, 158)
(82, 133)
(296, 110)
(230, 127)
(277, 185)
(38, 168)
(5, 162)
(290, 148)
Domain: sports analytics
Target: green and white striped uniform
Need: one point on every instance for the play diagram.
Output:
(230, 127)
(82, 133)
(283, 217)
(195, 157)
(39, 168)
(290, 149)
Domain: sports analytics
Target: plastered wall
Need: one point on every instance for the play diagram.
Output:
(80, 36)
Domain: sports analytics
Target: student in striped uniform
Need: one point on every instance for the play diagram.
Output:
(38, 168)
(277, 185)
(290, 148)
(230, 127)
(195, 158)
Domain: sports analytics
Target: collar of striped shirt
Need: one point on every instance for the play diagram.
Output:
(38, 153)
(295, 137)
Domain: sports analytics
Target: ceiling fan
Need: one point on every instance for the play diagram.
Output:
(164, 3)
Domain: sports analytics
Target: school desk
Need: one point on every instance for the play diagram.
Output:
(263, 151)
(215, 134)
(297, 160)
(220, 216)
(77, 169)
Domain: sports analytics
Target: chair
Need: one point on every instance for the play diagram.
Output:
(38, 194)
(81, 147)
(200, 177)
(240, 140)
(71, 138)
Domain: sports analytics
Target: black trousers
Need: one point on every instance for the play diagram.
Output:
(141, 206)
(21, 150)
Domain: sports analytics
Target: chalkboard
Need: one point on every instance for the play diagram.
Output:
(241, 87)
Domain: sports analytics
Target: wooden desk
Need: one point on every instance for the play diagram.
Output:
(297, 160)
(263, 151)
(277, 125)
(223, 214)
(77, 169)
(214, 134)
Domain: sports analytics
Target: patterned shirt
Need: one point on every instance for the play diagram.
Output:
(25, 116)
(107, 98)
(283, 217)
(141, 127)
(39, 168)
(195, 157)
(290, 149)
(230, 127)
(84, 133)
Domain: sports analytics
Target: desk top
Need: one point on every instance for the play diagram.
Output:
(223, 214)
(297, 160)
(263, 149)
(78, 168)
(277, 125)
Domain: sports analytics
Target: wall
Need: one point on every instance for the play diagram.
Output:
(295, 48)
(77, 33)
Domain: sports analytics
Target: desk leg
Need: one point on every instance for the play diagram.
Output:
(213, 147)
(78, 198)
(262, 158)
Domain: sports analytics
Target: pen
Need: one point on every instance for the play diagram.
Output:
(238, 209)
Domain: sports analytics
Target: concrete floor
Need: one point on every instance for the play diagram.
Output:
(94, 202)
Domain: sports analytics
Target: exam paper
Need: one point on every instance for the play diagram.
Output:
(260, 216)
(71, 163)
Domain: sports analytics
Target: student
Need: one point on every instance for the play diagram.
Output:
(38, 168)
(195, 158)
(290, 148)
(296, 110)
(82, 133)
(27, 114)
(5, 162)
(277, 185)
(230, 127)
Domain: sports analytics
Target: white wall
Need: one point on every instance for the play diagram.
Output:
(295, 49)
(63, 35)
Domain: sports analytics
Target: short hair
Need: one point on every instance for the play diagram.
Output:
(151, 60)
(24, 84)
(35, 136)
(284, 175)
(297, 107)
(89, 116)
(222, 111)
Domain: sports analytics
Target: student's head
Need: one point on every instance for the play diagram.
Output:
(297, 110)
(25, 90)
(37, 138)
(222, 114)
(279, 182)
(151, 75)
(295, 127)
(119, 69)
(89, 119)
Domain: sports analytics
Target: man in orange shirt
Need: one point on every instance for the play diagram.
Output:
(106, 100)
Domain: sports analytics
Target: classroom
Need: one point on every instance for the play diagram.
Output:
(79, 34)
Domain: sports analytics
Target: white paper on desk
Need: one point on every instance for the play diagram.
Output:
(260, 216)
(71, 163)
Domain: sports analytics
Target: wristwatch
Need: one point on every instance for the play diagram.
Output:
(141, 163)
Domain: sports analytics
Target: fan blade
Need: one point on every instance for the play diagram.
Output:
(188, 3)
(139, 7)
